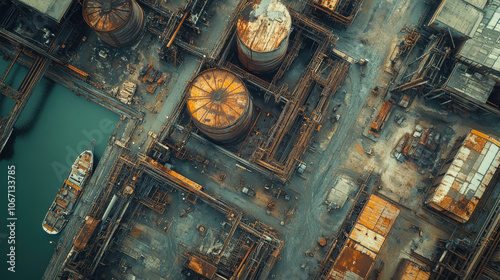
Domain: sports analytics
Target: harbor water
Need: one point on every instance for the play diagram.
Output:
(53, 129)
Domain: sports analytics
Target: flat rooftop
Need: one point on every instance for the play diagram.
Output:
(54, 9)
(467, 177)
(483, 47)
(366, 239)
(458, 15)
(477, 3)
(412, 271)
(470, 83)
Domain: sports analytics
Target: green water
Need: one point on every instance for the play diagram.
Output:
(53, 129)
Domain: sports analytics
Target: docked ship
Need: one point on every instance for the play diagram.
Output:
(67, 198)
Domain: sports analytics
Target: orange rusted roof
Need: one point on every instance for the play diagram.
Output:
(107, 15)
(217, 98)
(351, 261)
(414, 272)
(365, 240)
(378, 215)
(85, 233)
(329, 4)
(202, 267)
(467, 177)
(264, 24)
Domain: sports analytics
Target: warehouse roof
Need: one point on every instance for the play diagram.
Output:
(483, 47)
(471, 84)
(54, 9)
(469, 174)
(458, 15)
(412, 271)
(477, 3)
(365, 240)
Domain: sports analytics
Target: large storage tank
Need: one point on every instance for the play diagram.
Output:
(220, 105)
(263, 29)
(117, 22)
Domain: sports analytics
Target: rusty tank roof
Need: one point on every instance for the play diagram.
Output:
(264, 24)
(217, 98)
(107, 15)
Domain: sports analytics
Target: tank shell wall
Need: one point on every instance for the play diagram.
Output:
(219, 105)
(261, 62)
(118, 23)
(263, 31)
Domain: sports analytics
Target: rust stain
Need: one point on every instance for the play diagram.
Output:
(366, 238)
(475, 142)
(217, 98)
(202, 267)
(85, 233)
(451, 195)
(378, 215)
(359, 148)
(353, 261)
(264, 25)
(136, 231)
(414, 272)
(107, 15)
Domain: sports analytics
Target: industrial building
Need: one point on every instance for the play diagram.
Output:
(411, 271)
(274, 139)
(359, 253)
(459, 63)
(340, 11)
(465, 176)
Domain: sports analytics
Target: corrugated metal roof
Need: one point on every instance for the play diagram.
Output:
(471, 84)
(351, 261)
(477, 161)
(414, 272)
(483, 47)
(458, 15)
(202, 267)
(477, 3)
(365, 240)
(54, 9)
(378, 215)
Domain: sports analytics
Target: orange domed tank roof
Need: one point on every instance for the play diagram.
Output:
(217, 98)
